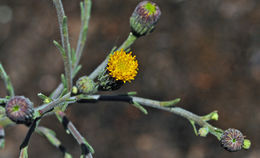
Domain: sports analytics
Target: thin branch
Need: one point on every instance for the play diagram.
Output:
(157, 105)
(50, 136)
(85, 16)
(56, 93)
(48, 107)
(2, 137)
(8, 84)
(86, 149)
(62, 19)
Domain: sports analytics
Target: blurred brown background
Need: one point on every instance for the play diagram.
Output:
(205, 52)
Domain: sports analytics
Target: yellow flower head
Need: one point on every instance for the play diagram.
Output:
(122, 66)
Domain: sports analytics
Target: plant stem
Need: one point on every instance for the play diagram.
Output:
(50, 136)
(158, 105)
(47, 107)
(2, 137)
(83, 30)
(62, 19)
(87, 150)
(128, 42)
(7, 81)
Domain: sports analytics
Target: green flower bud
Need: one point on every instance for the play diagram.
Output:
(144, 18)
(203, 132)
(214, 116)
(85, 85)
(20, 110)
(232, 140)
(247, 144)
(74, 90)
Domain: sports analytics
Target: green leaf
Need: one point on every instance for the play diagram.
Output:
(89, 146)
(140, 107)
(60, 48)
(73, 56)
(170, 103)
(76, 70)
(194, 127)
(63, 80)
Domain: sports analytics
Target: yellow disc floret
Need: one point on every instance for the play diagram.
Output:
(122, 66)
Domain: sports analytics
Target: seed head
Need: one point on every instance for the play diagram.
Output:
(232, 140)
(20, 110)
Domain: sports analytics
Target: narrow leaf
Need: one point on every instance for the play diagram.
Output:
(140, 107)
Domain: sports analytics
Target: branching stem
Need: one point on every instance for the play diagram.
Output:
(86, 10)
(62, 19)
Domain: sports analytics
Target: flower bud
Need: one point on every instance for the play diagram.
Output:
(144, 18)
(214, 116)
(232, 140)
(20, 110)
(203, 132)
(85, 85)
(247, 144)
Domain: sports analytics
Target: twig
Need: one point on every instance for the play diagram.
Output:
(50, 135)
(85, 16)
(62, 19)
(157, 105)
(8, 84)
(2, 137)
(86, 149)
(56, 93)
(47, 107)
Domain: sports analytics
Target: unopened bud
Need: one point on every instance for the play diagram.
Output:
(144, 18)
(85, 85)
(214, 116)
(203, 132)
(247, 144)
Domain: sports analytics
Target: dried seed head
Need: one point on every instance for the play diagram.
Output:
(144, 18)
(232, 140)
(20, 110)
